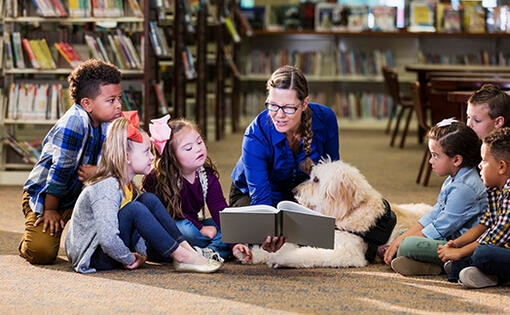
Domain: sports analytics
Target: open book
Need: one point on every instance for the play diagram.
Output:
(298, 224)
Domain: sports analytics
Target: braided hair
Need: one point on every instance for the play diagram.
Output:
(291, 78)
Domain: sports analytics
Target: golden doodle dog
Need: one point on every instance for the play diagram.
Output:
(338, 189)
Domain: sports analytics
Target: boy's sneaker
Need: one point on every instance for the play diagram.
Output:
(209, 253)
(473, 278)
(410, 267)
(447, 267)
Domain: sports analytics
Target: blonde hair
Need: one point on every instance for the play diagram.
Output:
(168, 169)
(115, 148)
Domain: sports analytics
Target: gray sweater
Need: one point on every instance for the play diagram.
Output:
(95, 223)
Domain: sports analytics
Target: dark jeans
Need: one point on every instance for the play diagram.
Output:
(237, 198)
(144, 217)
(490, 259)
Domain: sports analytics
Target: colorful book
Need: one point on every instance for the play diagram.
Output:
(232, 29)
(9, 54)
(384, 18)
(18, 51)
(163, 105)
(422, 18)
(30, 54)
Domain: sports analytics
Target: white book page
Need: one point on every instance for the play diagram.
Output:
(296, 207)
(252, 209)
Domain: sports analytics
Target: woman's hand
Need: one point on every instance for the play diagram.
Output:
(272, 244)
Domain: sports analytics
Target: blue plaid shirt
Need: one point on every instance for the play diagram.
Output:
(497, 217)
(71, 142)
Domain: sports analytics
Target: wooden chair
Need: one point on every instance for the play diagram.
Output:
(401, 105)
(421, 110)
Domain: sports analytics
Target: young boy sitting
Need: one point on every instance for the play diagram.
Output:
(488, 109)
(480, 257)
(71, 150)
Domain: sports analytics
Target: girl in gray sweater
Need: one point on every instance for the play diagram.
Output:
(113, 224)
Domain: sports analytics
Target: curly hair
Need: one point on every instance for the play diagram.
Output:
(497, 100)
(86, 79)
(168, 169)
(458, 138)
(498, 142)
(291, 78)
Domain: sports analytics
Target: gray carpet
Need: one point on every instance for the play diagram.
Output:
(245, 289)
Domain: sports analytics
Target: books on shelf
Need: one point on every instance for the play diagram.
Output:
(70, 55)
(474, 16)
(298, 224)
(421, 16)
(384, 18)
(162, 103)
(324, 16)
(29, 152)
(49, 8)
(18, 50)
(189, 64)
(449, 18)
(255, 16)
(107, 9)
(35, 101)
(231, 29)
(30, 54)
(158, 39)
(9, 53)
(80, 8)
(246, 26)
(357, 18)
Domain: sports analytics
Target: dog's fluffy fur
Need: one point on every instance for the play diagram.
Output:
(338, 189)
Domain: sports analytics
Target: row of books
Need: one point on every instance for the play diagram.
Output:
(49, 101)
(24, 53)
(74, 8)
(348, 105)
(483, 57)
(28, 151)
(319, 63)
(467, 16)
(36, 101)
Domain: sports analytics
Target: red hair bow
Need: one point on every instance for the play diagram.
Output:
(133, 133)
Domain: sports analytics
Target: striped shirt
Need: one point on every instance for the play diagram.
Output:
(71, 142)
(497, 217)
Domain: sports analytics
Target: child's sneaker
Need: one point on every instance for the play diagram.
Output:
(447, 267)
(209, 253)
(410, 267)
(473, 278)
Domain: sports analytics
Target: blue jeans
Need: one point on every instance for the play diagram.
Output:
(195, 238)
(144, 217)
(490, 259)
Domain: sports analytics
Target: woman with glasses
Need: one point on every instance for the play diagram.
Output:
(282, 143)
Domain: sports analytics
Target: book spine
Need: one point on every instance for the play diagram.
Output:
(163, 105)
(18, 52)
(60, 48)
(59, 8)
(47, 54)
(9, 57)
(102, 49)
(30, 53)
(232, 30)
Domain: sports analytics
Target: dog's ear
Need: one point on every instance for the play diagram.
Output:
(340, 196)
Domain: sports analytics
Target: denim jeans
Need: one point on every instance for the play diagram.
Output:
(144, 217)
(195, 238)
(490, 259)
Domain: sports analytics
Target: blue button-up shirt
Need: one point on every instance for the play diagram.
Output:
(268, 170)
(71, 142)
(459, 206)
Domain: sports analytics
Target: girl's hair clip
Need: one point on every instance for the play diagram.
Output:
(447, 122)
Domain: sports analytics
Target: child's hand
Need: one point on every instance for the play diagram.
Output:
(391, 252)
(85, 171)
(447, 253)
(272, 244)
(209, 231)
(51, 219)
(242, 253)
(139, 261)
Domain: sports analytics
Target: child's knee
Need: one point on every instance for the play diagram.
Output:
(38, 253)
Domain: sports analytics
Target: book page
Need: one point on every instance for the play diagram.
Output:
(252, 209)
(296, 207)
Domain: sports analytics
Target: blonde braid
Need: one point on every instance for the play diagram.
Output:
(307, 136)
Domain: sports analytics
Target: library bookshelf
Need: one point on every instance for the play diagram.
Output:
(34, 87)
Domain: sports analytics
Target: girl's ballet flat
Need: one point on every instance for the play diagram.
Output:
(211, 266)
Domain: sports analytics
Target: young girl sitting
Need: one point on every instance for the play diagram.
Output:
(455, 152)
(112, 219)
(186, 180)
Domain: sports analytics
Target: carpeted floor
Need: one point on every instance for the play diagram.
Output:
(248, 289)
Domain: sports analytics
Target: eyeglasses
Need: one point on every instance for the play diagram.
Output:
(287, 109)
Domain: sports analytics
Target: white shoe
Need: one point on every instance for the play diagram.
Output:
(209, 253)
(473, 278)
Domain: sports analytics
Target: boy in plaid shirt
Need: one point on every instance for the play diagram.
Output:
(480, 257)
(70, 153)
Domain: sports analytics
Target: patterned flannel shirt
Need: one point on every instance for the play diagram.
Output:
(72, 141)
(497, 217)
